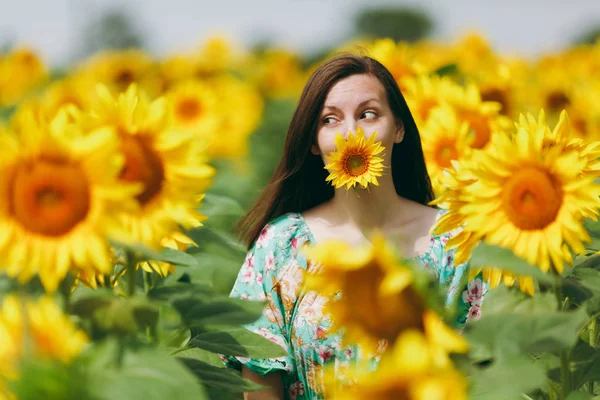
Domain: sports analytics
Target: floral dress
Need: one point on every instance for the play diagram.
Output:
(273, 272)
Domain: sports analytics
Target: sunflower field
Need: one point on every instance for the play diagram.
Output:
(122, 178)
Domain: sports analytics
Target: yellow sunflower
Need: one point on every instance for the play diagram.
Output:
(35, 329)
(424, 93)
(21, 71)
(117, 69)
(356, 161)
(531, 197)
(167, 162)
(483, 117)
(366, 311)
(445, 139)
(398, 58)
(59, 195)
(409, 371)
(195, 109)
(176, 241)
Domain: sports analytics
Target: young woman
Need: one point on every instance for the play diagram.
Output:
(299, 207)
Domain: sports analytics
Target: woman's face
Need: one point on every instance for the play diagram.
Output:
(358, 100)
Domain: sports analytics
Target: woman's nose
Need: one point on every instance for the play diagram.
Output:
(350, 126)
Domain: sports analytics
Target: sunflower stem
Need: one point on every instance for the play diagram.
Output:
(131, 273)
(148, 282)
(565, 362)
(591, 388)
(65, 292)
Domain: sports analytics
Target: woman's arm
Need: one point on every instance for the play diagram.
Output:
(273, 380)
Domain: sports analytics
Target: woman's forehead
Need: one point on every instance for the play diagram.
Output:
(355, 89)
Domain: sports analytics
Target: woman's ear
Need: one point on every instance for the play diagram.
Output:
(399, 137)
(315, 150)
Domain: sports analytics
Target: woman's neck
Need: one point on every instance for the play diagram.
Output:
(368, 208)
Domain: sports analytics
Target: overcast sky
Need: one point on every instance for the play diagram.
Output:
(527, 27)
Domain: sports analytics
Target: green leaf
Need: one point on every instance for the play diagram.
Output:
(172, 256)
(505, 333)
(146, 375)
(490, 256)
(201, 355)
(87, 304)
(219, 378)
(215, 205)
(506, 379)
(238, 342)
(578, 396)
(588, 278)
(177, 257)
(198, 312)
(178, 289)
(145, 314)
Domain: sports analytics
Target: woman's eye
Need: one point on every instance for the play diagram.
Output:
(369, 115)
(328, 120)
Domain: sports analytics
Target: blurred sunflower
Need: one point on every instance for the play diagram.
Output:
(445, 139)
(425, 93)
(483, 117)
(117, 69)
(58, 199)
(21, 71)
(408, 372)
(35, 329)
(167, 162)
(371, 294)
(356, 161)
(195, 110)
(176, 241)
(398, 58)
(277, 73)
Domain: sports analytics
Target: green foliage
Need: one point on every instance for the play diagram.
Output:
(398, 23)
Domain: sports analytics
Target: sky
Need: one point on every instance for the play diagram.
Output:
(524, 27)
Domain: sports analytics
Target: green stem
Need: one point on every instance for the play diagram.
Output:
(591, 388)
(565, 362)
(131, 273)
(65, 292)
(148, 281)
(592, 331)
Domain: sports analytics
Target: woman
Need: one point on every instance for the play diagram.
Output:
(299, 207)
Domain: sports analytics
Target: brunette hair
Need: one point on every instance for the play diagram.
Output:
(298, 183)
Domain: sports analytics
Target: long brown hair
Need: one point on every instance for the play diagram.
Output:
(298, 183)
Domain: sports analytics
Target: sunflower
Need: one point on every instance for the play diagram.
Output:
(176, 241)
(531, 197)
(367, 314)
(234, 94)
(483, 117)
(444, 139)
(35, 328)
(424, 93)
(195, 109)
(59, 194)
(398, 58)
(278, 73)
(167, 162)
(409, 371)
(372, 297)
(21, 71)
(117, 69)
(356, 161)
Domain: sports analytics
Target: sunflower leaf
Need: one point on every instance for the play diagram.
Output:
(238, 342)
(491, 256)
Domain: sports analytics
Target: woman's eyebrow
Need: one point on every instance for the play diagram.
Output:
(362, 103)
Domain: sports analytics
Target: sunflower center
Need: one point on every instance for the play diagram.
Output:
(480, 128)
(445, 154)
(497, 95)
(532, 199)
(189, 109)
(49, 196)
(381, 317)
(426, 106)
(557, 100)
(356, 164)
(124, 78)
(142, 164)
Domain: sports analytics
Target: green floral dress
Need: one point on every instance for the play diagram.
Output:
(273, 272)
